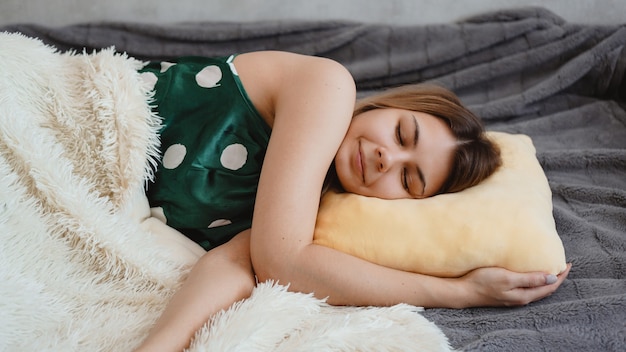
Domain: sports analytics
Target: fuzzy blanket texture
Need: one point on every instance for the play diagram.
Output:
(522, 70)
(79, 270)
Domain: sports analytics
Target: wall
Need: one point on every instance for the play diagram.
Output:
(63, 12)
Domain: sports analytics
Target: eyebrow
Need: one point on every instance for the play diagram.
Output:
(420, 174)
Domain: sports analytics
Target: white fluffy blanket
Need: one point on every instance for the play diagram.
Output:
(79, 268)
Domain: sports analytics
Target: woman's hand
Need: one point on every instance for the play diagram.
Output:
(500, 287)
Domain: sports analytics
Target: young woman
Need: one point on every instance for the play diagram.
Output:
(409, 143)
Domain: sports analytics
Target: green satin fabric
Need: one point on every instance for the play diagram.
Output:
(213, 142)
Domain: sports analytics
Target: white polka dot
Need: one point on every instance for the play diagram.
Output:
(220, 222)
(209, 76)
(165, 65)
(234, 156)
(158, 213)
(150, 79)
(174, 155)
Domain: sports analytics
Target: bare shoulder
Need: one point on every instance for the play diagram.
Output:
(269, 76)
(310, 101)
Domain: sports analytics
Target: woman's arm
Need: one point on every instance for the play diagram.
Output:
(309, 102)
(220, 278)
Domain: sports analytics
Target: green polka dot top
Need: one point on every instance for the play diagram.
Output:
(213, 142)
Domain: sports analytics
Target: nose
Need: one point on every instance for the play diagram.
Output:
(388, 157)
(385, 160)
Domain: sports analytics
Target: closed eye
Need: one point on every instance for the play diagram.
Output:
(404, 180)
(416, 136)
(399, 135)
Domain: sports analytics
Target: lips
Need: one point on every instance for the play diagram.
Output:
(359, 162)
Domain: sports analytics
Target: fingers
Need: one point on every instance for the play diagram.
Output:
(550, 279)
(564, 273)
(538, 286)
(531, 280)
(500, 287)
(561, 277)
(524, 295)
(557, 280)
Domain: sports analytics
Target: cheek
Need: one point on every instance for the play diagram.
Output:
(387, 187)
(342, 165)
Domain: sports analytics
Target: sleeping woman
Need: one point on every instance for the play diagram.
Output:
(249, 144)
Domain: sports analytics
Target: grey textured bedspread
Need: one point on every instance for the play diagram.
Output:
(522, 70)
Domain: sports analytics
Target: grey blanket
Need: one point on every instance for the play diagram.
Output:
(524, 71)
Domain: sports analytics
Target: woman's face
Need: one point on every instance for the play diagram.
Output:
(395, 153)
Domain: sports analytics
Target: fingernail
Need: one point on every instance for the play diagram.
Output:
(550, 279)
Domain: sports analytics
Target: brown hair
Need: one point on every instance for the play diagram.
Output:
(475, 158)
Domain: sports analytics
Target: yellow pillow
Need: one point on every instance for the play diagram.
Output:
(505, 221)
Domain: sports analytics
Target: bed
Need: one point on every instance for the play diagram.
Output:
(522, 70)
